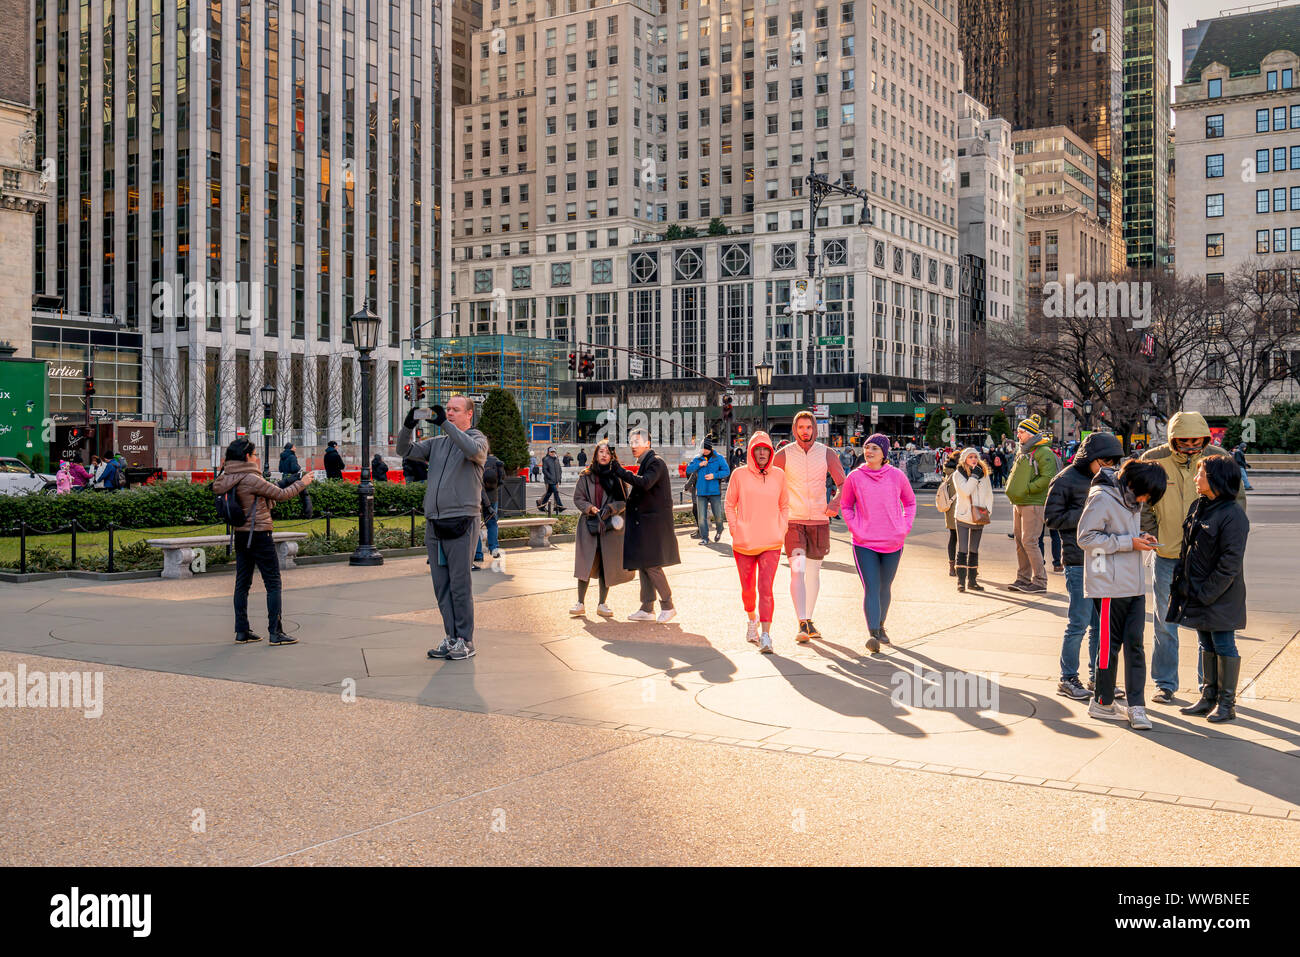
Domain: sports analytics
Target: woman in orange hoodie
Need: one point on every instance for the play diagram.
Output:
(758, 511)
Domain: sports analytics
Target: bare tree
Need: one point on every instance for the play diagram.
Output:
(1262, 301)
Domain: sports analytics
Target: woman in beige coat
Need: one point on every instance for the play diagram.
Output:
(972, 511)
(600, 499)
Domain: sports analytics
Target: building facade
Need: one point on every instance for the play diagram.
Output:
(632, 175)
(986, 203)
(231, 180)
(1147, 101)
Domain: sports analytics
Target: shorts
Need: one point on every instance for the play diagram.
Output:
(814, 539)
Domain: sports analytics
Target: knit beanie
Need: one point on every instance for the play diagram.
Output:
(881, 440)
(1033, 425)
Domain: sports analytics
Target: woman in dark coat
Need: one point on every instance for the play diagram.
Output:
(1209, 585)
(599, 496)
(378, 469)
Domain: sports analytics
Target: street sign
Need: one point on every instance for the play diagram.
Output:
(821, 411)
(830, 340)
(738, 381)
(412, 368)
(919, 412)
(875, 414)
(477, 397)
(1022, 410)
(823, 429)
(99, 413)
(634, 365)
(268, 427)
(1068, 404)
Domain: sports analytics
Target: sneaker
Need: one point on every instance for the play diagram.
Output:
(667, 615)
(1119, 694)
(442, 651)
(1059, 569)
(812, 630)
(476, 568)
(1015, 586)
(803, 637)
(246, 637)
(718, 536)
(1111, 712)
(704, 540)
(765, 644)
(1137, 718)
(751, 633)
(1162, 697)
(641, 615)
(461, 649)
(873, 644)
(1071, 688)
(578, 610)
(1032, 589)
(280, 638)
(604, 611)
(882, 635)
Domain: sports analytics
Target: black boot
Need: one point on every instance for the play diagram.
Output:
(1209, 685)
(1229, 672)
(961, 571)
(952, 568)
(972, 569)
(873, 643)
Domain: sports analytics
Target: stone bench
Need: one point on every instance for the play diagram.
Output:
(179, 553)
(539, 529)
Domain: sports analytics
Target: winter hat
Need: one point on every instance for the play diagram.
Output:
(961, 457)
(708, 445)
(1033, 425)
(882, 441)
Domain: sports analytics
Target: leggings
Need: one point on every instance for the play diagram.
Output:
(763, 568)
(968, 538)
(597, 569)
(952, 544)
(876, 569)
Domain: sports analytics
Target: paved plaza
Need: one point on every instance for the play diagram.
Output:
(592, 741)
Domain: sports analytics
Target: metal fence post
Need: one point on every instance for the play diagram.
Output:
(111, 527)
(74, 543)
(22, 547)
(328, 516)
(412, 526)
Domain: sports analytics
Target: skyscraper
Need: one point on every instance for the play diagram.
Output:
(1042, 65)
(1146, 133)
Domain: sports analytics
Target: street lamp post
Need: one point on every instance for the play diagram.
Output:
(268, 399)
(1087, 414)
(365, 335)
(763, 375)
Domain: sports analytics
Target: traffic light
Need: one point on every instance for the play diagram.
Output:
(573, 362)
(588, 367)
(420, 389)
(406, 392)
(90, 386)
(726, 408)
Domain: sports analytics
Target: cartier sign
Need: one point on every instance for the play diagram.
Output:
(64, 372)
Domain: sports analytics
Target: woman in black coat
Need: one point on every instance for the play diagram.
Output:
(1209, 585)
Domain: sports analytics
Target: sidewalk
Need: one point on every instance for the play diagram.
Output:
(596, 741)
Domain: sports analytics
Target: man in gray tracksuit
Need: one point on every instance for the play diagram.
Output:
(1111, 538)
(452, 501)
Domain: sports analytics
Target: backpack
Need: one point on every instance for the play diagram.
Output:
(944, 496)
(492, 478)
(229, 509)
(997, 461)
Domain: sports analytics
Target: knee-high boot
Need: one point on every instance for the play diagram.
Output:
(1209, 685)
(1229, 672)
(961, 571)
(972, 569)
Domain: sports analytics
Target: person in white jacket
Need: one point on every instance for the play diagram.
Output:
(972, 510)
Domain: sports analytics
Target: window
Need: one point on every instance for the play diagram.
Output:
(1261, 241)
(1279, 240)
(1214, 244)
(561, 274)
(1214, 89)
(1279, 117)
(1214, 205)
(1261, 162)
(1295, 239)
(1214, 127)
(1286, 79)
(1272, 79)
(1279, 159)
(1295, 116)
(1279, 199)
(602, 270)
(1261, 121)
(1295, 198)
(521, 277)
(1261, 201)
(482, 280)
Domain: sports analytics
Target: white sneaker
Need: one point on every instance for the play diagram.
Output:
(751, 633)
(578, 610)
(640, 615)
(1112, 712)
(1137, 718)
(765, 644)
(668, 614)
(604, 611)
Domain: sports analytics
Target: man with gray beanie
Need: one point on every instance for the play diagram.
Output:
(452, 503)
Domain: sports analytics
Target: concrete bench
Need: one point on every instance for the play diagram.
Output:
(179, 553)
(539, 529)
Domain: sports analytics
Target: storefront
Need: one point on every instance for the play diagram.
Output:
(72, 352)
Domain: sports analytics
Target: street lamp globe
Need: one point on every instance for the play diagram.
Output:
(268, 395)
(864, 220)
(365, 330)
(763, 372)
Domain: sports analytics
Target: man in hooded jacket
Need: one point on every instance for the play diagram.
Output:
(1189, 442)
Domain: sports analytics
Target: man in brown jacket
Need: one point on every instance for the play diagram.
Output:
(254, 544)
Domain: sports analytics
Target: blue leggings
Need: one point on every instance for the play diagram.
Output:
(877, 570)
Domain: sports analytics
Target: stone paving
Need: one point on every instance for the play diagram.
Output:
(569, 727)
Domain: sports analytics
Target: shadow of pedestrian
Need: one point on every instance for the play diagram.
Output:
(666, 648)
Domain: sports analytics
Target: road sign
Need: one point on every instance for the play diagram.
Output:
(739, 381)
(919, 412)
(830, 340)
(412, 368)
(477, 397)
(875, 414)
(99, 413)
(634, 365)
(821, 411)
(268, 427)
(823, 429)
(1068, 404)
(1022, 410)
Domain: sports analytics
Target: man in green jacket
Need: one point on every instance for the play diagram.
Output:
(1032, 472)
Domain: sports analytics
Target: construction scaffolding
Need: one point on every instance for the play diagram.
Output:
(534, 371)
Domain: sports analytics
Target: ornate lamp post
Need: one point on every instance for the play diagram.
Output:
(1087, 414)
(365, 336)
(268, 399)
(763, 375)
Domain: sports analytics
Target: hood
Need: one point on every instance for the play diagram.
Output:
(1098, 445)
(231, 473)
(758, 439)
(1188, 425)
(950, 463)
(875, 475)
(1106, 479)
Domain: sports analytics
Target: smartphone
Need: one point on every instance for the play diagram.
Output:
(423, 414)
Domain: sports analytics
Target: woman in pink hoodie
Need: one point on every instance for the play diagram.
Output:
(758, 511)
(878, 506)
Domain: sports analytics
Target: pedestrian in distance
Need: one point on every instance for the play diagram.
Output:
(453, 501)
(254, 539)
(63, 480)
(758, 511)
(1239, 457)
(1066, 496)
(972, 510)
(80, 477)
(567, 460)
(378, 469)
(945, 498)
(289, 469)
(710, 471)
(1032, 472)
(650, 542)
(494, 476)
(333, 461)
(551, 475)
(1208, 590)
(582, 458)
(879, 509)
(413, 471)
(600, 497)
(534, 470)
(811, 468)
(1180, 457)
(1110, 534)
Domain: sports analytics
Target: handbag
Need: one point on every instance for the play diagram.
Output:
(593, 524)
(449, 528)
(980, 515)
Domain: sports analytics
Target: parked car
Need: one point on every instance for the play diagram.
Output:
(17, 478)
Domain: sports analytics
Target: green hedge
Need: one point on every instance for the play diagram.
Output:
(1276, 432)
(183, 503)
